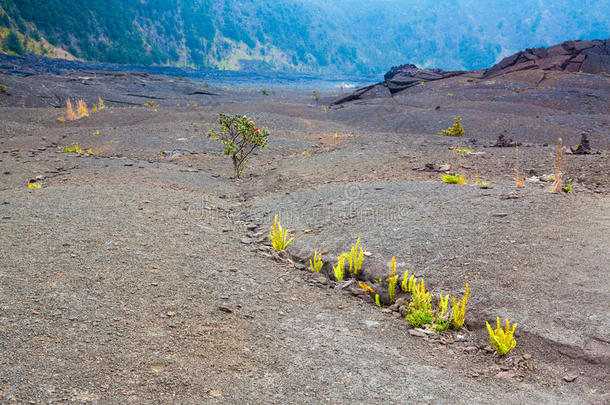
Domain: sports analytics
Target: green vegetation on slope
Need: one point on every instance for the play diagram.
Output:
(312, 35)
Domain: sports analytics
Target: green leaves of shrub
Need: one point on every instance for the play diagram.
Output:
(240, 138)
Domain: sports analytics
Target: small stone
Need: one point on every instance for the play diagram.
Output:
(505, 374)
(444, 168)
(371, 324)
(499, 214)
(471, 349)
(233, 270)
(386, 311)
(417, 333)
(368, 254)
(245, 241)
(307, 231)
(570, 377)
(527, 356)
(226, 309)
(171, 313)
(488, 349)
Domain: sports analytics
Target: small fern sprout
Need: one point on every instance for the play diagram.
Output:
(279, 236)
(443, 304)
(392, 280)
(420, 300)
(377, 300)
(316, 264)
(459, 310)
(339, 269)
(502, 340)
(355, 258)
(404, 285)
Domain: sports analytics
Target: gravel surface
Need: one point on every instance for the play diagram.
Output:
(136, 277)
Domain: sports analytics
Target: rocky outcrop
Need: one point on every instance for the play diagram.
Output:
(571, 56)
(398, 79)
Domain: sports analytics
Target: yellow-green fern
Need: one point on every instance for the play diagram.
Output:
(502, 340)
(279, 236)
(356, 255)
(459, 310)
(392, 280)
(339, 269)
(316, 263)
(443, 304)
(420, 300)
(408, 283)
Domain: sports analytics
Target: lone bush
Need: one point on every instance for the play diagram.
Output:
(240, 139)
(455, 130)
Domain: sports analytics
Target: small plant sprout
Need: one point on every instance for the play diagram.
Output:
(420, 300)
(455, 130)
(316, 264)
(240, 138)
(279, 236)
(408, 283)
(377, 300)
(33, 185)
(518, 179)
(459, 310)
(356, 255)
(72, 149)
(502, 339)
(443, 304)
(392, 280)
(568, 187)
(339, 269)
(558, 167)
(463, 151)
(453, 179)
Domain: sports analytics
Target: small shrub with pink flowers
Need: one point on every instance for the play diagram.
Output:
(240, 138)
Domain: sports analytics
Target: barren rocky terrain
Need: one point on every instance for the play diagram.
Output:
(141, 273)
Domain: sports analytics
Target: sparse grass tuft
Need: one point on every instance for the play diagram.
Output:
(518, 179)
(71, 115)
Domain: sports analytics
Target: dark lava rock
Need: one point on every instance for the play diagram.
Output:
(572, 56)
(397, 79)
(584, 148)
(502, 142)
